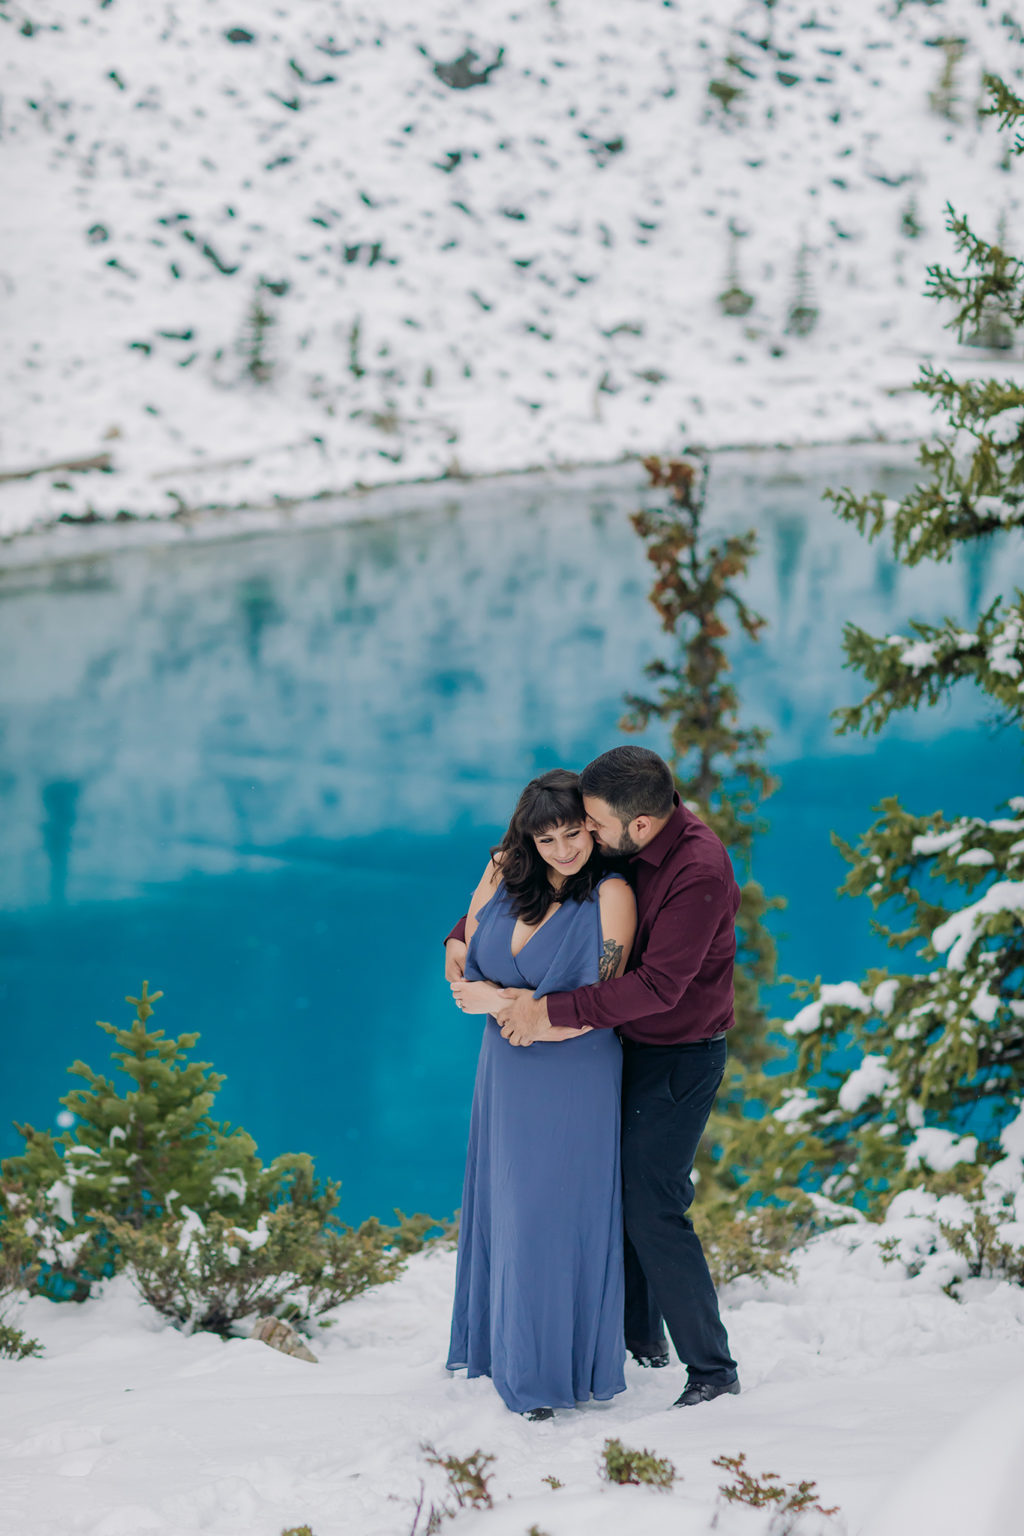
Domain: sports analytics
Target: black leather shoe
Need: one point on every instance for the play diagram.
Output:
(705, 1392)
(538, 1415)
(656, 1361)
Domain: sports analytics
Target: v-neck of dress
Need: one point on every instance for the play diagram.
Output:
(515, 954)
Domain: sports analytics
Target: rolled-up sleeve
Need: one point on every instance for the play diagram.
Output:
(681, 935)
(458, 932)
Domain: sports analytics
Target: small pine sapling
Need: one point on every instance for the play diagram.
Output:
(16, 1345)
(910, 224)
(944, 98)
(19, 1264)
(147, 1180)
(725, 89)
(981, 1243)
(787, 1501)
(734, 298)
(255, 341)
(467, 1487)
(802, 315)
(758, 1241)
(621, 1464)
(355, 364)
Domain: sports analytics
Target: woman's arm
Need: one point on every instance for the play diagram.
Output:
(618, 927)
(481, 896)
(477, 996)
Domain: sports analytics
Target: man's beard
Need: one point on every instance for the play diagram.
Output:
(626, 845)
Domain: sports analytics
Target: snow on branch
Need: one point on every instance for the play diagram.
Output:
(841, 994)
(962, 931)
(908, 670)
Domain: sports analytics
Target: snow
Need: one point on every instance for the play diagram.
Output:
(59, 1195)
(919, 655)
(799, 1104)
(841, 994)
(852, 1376)
(1004, 643)
(940, 1150)
(958, 932)
(985, 1005)
(522, 273)
(867, 1081)
(230, 1182)
(972, 1481)
(191, 1228)
(928, 843)
(884, 995)
(977, 856)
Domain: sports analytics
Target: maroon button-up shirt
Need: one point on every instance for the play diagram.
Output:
(678, 987)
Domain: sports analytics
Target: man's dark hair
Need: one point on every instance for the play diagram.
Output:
(633, 781)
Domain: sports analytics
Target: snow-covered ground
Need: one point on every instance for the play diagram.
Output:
(906, 1407)
(521, 272)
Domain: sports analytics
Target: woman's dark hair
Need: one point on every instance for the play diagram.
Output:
(550, 801)
(632, 781)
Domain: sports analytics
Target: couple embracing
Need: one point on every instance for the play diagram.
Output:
(601, 935)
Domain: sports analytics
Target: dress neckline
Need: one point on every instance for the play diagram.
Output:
(515, 953)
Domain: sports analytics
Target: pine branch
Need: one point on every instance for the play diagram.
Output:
(909, 671)
(1006, 105)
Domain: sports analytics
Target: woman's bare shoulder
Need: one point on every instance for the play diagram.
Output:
(616, 897)
(487, 884)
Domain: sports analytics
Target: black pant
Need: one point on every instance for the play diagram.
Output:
(667, 1094)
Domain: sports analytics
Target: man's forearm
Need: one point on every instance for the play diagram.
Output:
(604, 1004)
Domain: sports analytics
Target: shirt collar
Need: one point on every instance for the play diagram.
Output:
(657, 850)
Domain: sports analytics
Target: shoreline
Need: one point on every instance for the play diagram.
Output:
(66, 540)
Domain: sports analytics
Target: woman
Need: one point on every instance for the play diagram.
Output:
(539, 1285)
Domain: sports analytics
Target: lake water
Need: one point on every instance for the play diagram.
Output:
(265, 773)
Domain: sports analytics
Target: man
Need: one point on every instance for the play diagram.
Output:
(672, 1010)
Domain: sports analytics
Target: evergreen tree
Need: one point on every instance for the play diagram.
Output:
(944, 100)
(146, 1153)
(910, 224)
(146, 1179)
(255, 340)
(802, 315)
(717, 762)
(734, 298)
(939, 1086)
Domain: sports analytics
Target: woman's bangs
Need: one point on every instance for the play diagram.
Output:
(550, 810)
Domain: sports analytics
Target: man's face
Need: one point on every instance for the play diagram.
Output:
(606, 828)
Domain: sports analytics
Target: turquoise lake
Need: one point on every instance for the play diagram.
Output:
(264, 773)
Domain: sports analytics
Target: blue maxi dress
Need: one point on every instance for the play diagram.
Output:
(539, 1283)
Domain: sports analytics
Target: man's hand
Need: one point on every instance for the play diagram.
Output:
(524, 1019)
(454, 960)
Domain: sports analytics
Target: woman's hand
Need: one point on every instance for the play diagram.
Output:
(476, 996)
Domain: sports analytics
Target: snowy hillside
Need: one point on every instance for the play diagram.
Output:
(269, 251)
(903, 1404)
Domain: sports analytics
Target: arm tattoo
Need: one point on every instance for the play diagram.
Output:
(610, 958)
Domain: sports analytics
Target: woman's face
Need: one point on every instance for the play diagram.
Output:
(566, 848)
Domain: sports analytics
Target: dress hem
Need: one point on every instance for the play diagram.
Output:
(594, 1397)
